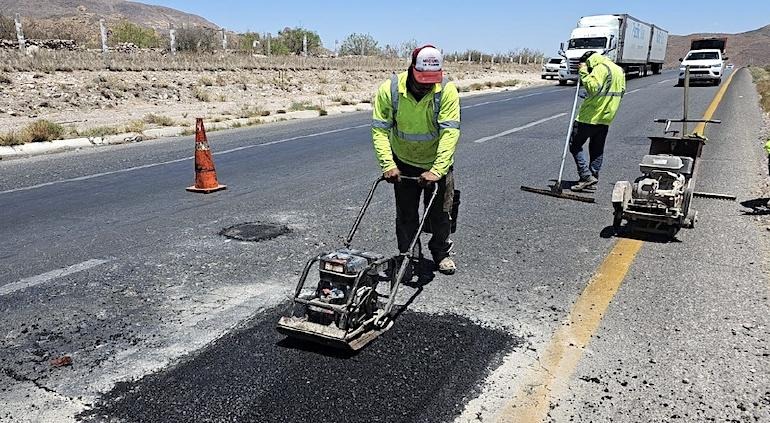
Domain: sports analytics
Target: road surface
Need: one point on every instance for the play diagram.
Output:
(108, 260)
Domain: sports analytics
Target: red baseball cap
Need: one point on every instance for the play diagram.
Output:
(427, 65)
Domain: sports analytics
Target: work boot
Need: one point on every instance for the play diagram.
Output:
(584, 183)
(447, 266)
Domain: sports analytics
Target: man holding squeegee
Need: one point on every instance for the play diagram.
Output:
(605, 85)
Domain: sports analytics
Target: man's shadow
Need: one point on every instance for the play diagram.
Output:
(757, 207)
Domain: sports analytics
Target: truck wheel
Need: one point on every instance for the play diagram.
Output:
(562, 82)
(680, 83)
(717, 82)
(542, 76)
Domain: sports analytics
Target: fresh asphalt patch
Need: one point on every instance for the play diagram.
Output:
(424, 369)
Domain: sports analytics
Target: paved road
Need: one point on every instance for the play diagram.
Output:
(108, 260)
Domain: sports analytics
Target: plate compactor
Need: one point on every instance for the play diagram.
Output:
(345, 310)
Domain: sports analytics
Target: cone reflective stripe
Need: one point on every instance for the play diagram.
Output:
(205, 174)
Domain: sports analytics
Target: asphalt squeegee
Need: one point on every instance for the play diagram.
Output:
(556, 189)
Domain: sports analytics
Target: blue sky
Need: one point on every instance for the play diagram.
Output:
(456, 25)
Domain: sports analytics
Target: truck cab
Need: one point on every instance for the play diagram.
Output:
(594, 33)
(705, 65)
(637, 47)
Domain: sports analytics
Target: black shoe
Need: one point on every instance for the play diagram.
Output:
(584, 183)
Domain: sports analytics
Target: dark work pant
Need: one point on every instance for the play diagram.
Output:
(408, 195)
(597, 135)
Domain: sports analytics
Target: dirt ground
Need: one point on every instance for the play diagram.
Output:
(109, 101)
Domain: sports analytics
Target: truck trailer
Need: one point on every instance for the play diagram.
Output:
(635, 46)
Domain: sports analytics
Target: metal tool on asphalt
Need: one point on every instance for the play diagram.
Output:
(556, 189)
(345, 309)
(660, 200)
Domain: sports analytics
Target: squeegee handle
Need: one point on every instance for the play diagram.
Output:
(569, 134)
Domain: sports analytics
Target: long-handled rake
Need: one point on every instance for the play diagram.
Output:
(556, 189)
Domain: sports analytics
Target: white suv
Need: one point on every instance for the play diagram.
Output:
(551, 68)
(705, 65)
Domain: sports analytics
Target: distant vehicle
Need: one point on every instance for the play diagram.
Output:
(718, 43)
(551, 68)
(635, 46)
(729, 66)
(705, 65)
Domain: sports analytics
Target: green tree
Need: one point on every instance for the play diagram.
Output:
(247, 39)
(292, 38)
(127, 32)
(359, 45)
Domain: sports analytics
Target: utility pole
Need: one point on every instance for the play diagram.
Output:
(172, 38)
(304, 45)
(103, 32)
(20, 34)
(269, 38)
(224, 40)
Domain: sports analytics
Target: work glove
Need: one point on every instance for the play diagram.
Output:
(392, 176)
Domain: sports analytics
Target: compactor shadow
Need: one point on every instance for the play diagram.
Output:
(424, 369)
(628, 233)
(757, 206)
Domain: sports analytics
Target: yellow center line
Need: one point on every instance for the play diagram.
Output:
(701, 127)
(560, 358)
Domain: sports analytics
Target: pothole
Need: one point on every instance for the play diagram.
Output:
(254, 231)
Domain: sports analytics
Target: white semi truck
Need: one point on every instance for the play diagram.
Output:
(635, 46)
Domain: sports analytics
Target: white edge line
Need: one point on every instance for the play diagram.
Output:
(520, 128)
(45, 277)
(634, 91)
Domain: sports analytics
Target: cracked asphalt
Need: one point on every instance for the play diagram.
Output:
(106, 259)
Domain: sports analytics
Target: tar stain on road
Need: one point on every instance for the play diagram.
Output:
(254, 231)
(423, 370)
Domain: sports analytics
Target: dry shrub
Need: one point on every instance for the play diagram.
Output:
(5, 79)
(100, 131)
(201, 95)
(10, 138)
(42, 130)
(159, 120)
(135, 126)
(764, 92)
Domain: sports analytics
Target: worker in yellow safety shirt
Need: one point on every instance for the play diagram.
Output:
(415, 129)
(605, 85)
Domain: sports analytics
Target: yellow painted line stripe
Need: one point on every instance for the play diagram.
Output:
(561, 356)
(701, 127)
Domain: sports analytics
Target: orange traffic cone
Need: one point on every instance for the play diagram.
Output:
(205, 174)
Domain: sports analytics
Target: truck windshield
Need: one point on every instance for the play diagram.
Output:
(593, 42)
(703, 55)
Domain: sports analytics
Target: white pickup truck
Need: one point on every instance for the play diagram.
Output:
(551, 68)
(705, 65)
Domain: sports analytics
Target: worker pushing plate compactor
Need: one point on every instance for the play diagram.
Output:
(345, 310)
